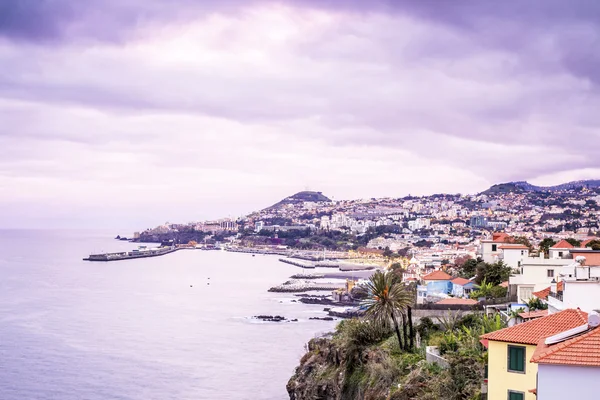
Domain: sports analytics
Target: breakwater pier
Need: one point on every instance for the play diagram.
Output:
(141, 252)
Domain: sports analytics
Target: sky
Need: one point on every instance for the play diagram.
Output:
(131, 113)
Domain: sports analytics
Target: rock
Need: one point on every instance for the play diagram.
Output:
(323, 318)
(270, 318)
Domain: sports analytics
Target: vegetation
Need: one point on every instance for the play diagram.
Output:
(494, 273)
(536, 304)
(363, 360)
(388, 300)
(545, 245)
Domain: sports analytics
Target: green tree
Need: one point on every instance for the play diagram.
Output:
(574, 242)
(546, 244)
(522, 240)
(594, 244)
(469, 268)
(536, 304)
(495, 273)
(386, 300)
(387, 252)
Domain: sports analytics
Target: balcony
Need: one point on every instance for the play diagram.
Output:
(556, 295)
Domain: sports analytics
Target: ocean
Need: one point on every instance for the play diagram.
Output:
(172, 327)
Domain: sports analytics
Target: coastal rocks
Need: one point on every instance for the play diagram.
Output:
(297, 285)
(323, 318)
(273, 318)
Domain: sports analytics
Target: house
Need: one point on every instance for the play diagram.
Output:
(513, 254)
(511, 374)
(462, 287)
(560, 249)
(529, 315)
(580, 287)
(535, 274)
(490, 248)
(437, 276)
(569, 363)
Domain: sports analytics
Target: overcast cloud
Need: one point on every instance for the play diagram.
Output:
(122, 113)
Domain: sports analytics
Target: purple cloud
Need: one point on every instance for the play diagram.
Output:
(126, 103)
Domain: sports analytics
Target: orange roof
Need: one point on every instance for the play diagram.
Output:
(504, 284)
(581, 350)
(460, 281)
(513, 247)
(437, 276)
(543, 294)
(585, 242)
(532, 331)
(500, 237)
(533, 314)
(455, 300)
(563, 244)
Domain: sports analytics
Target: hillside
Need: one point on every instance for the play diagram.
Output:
(522, 186)
(301, 197)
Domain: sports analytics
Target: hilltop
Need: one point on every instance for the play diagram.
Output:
(301, 197)
(522, 186)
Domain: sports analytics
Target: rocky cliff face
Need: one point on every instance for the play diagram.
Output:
(328, 372)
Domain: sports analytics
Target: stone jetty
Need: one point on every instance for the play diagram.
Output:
(299, 285)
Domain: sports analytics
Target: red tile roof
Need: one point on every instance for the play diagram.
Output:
(532, 331)
(455, 300)
(460, 281)
(581, 350)
(437, 276)
(500, 237)
(533, 314)
(543, 294)
(504, 284)
(585, 242)
(563, 244)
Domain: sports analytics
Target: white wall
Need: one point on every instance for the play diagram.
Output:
(559, 382)
(513, 257)
(535, 273)
(582, 294)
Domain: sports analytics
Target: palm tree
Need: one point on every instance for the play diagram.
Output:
(386, 299)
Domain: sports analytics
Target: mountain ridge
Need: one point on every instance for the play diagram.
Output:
(524, 186)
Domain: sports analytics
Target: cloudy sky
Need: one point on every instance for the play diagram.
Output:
(129, 113)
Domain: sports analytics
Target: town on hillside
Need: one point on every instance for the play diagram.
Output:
(527, 258)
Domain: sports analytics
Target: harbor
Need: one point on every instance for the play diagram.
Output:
(140, 252)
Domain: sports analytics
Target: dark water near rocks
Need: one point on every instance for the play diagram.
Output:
(75, 330)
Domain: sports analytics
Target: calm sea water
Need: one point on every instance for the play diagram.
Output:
(143, 329)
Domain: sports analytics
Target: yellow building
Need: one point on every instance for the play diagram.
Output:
(511, 375)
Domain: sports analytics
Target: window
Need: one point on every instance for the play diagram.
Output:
(516, 359)
(522, 252)
(494, 247)
(550, 273)
(512, 395)
(560, 253)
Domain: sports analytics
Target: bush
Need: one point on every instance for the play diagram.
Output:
(362, 333)
(426, 327)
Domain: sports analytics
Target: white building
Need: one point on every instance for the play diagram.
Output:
(419, 223)
(581, 288)
(569, 363)
(535, 274)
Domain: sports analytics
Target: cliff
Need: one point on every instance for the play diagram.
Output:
(357, 365)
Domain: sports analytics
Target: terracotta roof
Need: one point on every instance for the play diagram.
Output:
(543, 294)
(504, 284)
(500, 237)
(563, 244)
(460, 281)
(456, 300)
(513, 247)
(532, 331)
(533, 314)
(585, 242)
(581, 350)
(437, 276)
